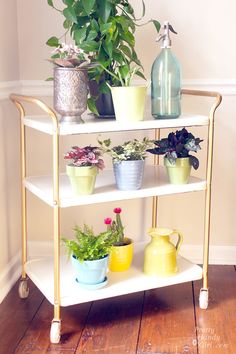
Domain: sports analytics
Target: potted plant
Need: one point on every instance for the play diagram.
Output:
(83, 168)
(70, 82)
(177, 158)
(128, 100)
(89, 255)
(121, 253)
(128, 161)
(107, 29)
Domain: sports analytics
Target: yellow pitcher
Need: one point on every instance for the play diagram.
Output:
(160, 256)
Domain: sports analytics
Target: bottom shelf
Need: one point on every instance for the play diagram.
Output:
(40, 272)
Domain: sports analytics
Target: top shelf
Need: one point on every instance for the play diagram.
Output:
(100, 125)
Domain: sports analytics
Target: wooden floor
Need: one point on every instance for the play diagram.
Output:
(166, 320)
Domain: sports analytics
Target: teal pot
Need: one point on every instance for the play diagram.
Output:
(90, 272)
(82, 178)
(129, 103)
(129, 174)
(178, 173)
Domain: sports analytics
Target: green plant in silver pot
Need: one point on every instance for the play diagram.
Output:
(128, 161)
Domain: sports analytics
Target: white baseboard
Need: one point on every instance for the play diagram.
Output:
(44, 88)
(224, 255)
(8, 87)
(9, 275)
(221, 255)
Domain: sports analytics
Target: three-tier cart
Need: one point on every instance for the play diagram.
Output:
(53, 275)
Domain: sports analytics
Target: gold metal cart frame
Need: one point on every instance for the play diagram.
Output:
(19, 101)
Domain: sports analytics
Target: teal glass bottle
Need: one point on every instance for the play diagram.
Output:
(166, 81)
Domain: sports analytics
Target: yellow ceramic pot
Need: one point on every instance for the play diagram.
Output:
(160, 256)
(82, 178)
(120, 257)
(129, 102)
(178, 173)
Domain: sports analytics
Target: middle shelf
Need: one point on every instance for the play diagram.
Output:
(155, 183)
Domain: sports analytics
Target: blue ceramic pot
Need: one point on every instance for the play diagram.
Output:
(90, 272)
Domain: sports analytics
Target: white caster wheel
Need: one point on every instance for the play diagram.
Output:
(203, 299)
(55, 332)
(23, 289)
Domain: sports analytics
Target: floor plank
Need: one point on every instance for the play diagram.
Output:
(168, 321)
(216, 326)
(16, 315)
(161, 322)
(113, 326)
(37, 340)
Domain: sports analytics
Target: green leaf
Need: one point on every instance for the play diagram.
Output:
(129, 38)
(105, 27)
(94, 25)
(50, 3)
(126, 50)
(92, 35)
(68, 2)
(124, 71)
(79, 35)
(103, 88)
(104, 8)
(117, 55)
(129, 9)
(92, 106)
(89, 46)
(82, 21)
(49, 79)
(88, 5)
(67, 24)
(123, 21)
(157, 25)
(70, 14)
(108, 47)
(140, 74)
(53, 42)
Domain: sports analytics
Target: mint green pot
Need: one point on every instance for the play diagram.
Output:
(179, 172)
(82, 178)
(129, 103)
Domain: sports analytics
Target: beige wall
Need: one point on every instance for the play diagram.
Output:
(205, 48)
(9, 63)
(9, 137)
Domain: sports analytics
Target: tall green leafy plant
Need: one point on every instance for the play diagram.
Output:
(105, 29)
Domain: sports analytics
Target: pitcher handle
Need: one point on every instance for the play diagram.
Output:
(180, 240)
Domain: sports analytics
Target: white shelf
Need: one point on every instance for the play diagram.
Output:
(99, 125)
(41, 273)
(155, 182)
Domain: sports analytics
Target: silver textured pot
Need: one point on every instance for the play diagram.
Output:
(70, 93)
(129, 174)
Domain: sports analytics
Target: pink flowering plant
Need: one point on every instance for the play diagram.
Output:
(86, 156)
(116, 226)
(70, 56)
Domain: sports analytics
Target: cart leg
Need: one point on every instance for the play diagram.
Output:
(23, 289)
(55, 332)
(155, 198)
